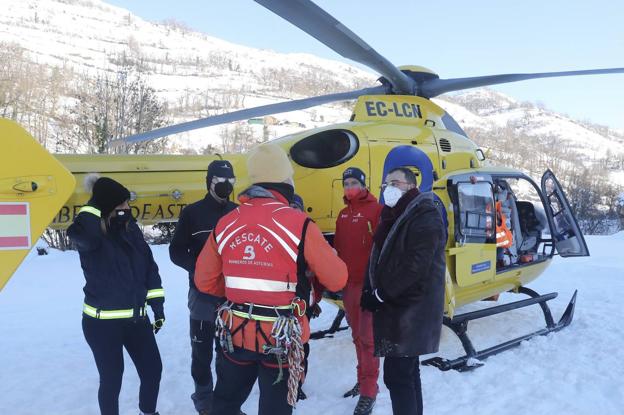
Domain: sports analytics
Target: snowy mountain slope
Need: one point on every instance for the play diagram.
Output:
(90, 36)
(47, 367)
(89, 33)
(488, 109)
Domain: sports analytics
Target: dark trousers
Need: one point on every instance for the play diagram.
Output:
(202, 347)
(107, 339)
(402, 378)
(235, 380)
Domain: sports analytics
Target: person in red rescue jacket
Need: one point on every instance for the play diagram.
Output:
(256, 258)
(353, 240)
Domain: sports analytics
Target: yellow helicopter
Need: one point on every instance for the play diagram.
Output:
(392, 124)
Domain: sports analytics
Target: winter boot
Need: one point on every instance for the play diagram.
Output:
(364, 406)
(355, 391)
(301, 396)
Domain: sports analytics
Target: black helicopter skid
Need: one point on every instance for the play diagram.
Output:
(473, 358)
(335, 327)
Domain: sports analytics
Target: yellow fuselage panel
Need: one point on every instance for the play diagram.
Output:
(33, 186)
(502, 282)
(163, 185)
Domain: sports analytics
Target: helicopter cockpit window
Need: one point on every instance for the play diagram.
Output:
(325, 149)
(476, 212)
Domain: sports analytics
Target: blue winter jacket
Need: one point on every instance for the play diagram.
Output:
(118, 265)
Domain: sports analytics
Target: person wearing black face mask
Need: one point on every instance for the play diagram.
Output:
(121, 278)
(196, 222)
(120, 218)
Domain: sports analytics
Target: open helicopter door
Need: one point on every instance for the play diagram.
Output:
(33, 187)
(566, 233)
(474, 253)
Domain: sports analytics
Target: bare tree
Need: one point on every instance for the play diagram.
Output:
(237, 138)
(116, 105)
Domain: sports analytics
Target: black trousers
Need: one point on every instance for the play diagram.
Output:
(107, 338)
(235, 380)
(402, 378)
(202, 347)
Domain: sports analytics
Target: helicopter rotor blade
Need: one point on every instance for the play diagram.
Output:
(250, 113)
(434, 87)
(319, 24)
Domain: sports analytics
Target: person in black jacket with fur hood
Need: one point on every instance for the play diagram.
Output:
(405, 286)
(121, 279)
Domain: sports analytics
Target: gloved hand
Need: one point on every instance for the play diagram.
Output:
(315, 311)
(370, 302)
(159, 318)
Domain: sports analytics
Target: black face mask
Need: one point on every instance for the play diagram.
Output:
(223, 189)
(121, 218)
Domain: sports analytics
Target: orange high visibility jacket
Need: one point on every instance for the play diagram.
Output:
(504, 238)
(251, 256)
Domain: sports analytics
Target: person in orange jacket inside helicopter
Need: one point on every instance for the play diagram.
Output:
(256, 258)
(353, 240)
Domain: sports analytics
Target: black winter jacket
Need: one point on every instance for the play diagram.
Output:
(195, 224)
(118, 265)
(409, 273)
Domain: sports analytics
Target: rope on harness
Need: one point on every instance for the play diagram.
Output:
(224, 327)
(295, 366)
(286, 332)
(288, 347)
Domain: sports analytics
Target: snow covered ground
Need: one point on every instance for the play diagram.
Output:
(46, 366)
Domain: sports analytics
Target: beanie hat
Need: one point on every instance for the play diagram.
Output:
(219, 168)
(354, 173)
(268, 163)
(107, 194)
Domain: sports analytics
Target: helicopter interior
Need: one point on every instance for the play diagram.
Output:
(524, 216)
(525, 219)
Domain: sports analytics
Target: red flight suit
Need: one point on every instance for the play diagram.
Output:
(353, 241)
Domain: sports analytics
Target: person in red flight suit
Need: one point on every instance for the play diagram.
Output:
(353, 240)
(256, 258)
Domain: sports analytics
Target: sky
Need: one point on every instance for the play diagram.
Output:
(454, 38)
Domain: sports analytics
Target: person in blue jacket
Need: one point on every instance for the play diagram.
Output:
(121, 280)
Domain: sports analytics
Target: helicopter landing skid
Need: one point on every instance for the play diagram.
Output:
(335, 327)
(473, 358)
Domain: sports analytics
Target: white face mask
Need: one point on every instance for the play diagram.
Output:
(392, 195)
